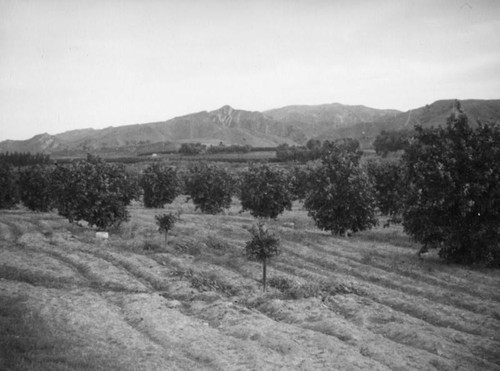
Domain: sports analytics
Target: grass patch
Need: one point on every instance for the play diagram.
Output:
(391, 236)
(217, 244)
(27, 343)
(212, 282)
(33, 278)
(188, 247)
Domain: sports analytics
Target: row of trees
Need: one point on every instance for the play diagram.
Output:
(92, 190)
(98, 192)
(20, 159)
(198, 148)
(313, 150)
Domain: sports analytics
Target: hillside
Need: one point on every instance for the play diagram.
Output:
(291, 124)
(71, 302)
(324, 121)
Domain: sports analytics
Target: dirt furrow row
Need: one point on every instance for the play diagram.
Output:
(400, 322)
(394, 282)
(352, 251)
(421, 309)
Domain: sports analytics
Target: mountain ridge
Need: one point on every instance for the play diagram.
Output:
(293, 124)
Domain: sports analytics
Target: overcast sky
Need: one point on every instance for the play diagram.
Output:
(94, 63)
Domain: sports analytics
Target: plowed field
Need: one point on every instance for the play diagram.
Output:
(71, 302)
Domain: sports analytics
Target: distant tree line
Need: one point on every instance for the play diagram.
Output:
(391, 141)
(313, 150)
(235, 148)
(199, 148)
(24, 158)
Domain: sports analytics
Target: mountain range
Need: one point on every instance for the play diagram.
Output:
(293, 125)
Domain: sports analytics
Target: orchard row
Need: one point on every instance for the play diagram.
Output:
(445, 189)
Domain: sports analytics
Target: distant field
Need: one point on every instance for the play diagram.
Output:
(176, 158)
(367, 302)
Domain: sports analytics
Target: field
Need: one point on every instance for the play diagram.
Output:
(71, 302)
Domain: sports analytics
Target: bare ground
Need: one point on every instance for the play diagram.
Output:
(71, 302)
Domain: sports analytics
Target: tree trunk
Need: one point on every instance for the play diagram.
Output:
(166, 239)
(264, 267)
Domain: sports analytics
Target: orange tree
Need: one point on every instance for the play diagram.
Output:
(9, 195)
(265, 191)
(340, 198)
(263, 246)
(35, 188)
(160, 185)
(453, 190)
(389, 188)
(94, 191)
(210, 187)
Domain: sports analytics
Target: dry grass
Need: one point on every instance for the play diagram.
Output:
(365, 302)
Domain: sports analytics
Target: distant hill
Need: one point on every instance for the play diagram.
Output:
(325, 120)
(45, 143)
(291, 124)
(434, 114)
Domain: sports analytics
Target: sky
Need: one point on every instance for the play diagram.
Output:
(74, 64)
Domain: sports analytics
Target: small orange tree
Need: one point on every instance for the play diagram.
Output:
(262, 247)
(165, 223)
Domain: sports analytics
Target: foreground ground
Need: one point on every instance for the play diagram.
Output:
(69, 301)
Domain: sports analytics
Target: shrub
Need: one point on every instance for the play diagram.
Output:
(9, 195)
(265, 191)
(218, 244)
(453, 181)
(263, 246)
(188, 247)
(341, 198)
(160, 185)
(210, 187)
(93, 191)
(35, 188)
(281, 283)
